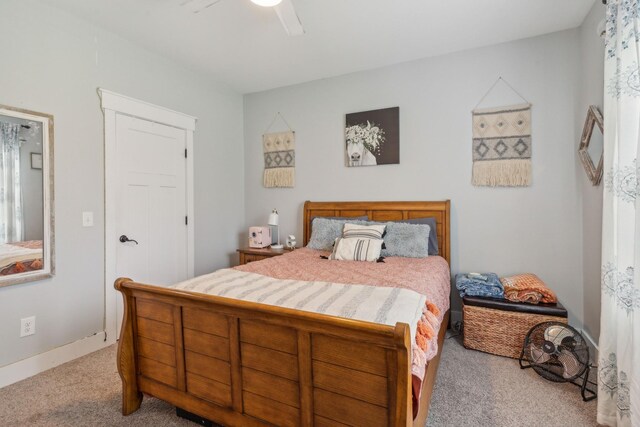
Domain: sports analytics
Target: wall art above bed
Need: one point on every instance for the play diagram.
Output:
(373, 137)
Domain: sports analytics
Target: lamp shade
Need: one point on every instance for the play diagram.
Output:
(273, 217)
(267, 3)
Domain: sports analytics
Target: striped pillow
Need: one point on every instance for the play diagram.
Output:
(356, 249)
(369, 231)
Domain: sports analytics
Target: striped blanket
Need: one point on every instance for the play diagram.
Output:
(382, 305)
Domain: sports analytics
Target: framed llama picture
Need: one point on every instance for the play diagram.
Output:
(373, 137)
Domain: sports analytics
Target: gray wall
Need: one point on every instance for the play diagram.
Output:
(53, 62)
(506, 230)
(591, 74)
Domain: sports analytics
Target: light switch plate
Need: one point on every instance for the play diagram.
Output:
(87, 219)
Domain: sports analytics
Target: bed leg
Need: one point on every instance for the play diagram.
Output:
(131, 396)
(131, 400)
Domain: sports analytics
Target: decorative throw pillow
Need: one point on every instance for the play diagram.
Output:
(433, 234)
(325, 231)
(406, 240)
(356, 249)
(367, 231)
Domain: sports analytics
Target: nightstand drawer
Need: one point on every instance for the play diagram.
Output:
(251, 258)
(257, 254)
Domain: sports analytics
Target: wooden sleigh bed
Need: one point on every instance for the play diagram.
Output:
(240, 363)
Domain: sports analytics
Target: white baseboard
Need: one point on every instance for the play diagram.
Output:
(26, 368)
(593, 347)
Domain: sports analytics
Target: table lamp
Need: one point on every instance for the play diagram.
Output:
(273, 221)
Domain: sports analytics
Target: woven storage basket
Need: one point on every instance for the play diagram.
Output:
(499, 332)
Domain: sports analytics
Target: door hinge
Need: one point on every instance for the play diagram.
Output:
(186, 220)
(185, 153)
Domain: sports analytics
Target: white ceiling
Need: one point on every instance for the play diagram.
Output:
(245, 46)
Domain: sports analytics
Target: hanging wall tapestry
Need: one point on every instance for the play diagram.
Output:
(502, 146)
(279, 159)
(502, 143)
(373, 137)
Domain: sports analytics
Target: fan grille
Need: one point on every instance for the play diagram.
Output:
(556, 351)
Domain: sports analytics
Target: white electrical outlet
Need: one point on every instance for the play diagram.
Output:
(27, 326)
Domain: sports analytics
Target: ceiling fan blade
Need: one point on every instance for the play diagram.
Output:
(289, 18)
(197, 6)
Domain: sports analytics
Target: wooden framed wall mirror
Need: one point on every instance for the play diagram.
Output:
(26, 196)
(592, 145)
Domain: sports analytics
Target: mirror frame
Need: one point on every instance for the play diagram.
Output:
(594, 117)
(48, 238)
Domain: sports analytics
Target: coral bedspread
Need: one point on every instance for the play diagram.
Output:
(427, 276)
(19, 257)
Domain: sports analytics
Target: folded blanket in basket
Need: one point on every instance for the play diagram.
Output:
(527, 288)
(479, 285)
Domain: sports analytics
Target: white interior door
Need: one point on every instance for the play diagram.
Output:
(151, 203)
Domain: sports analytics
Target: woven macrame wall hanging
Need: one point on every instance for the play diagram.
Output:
(279, 157)
(502, 145)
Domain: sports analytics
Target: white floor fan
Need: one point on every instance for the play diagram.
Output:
(283, 8)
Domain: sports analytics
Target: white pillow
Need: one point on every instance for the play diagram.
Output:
(355, 249)
(368, 231)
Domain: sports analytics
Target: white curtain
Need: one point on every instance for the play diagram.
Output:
(619, 344)
(11, 220)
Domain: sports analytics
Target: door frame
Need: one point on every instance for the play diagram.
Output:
(113, 104)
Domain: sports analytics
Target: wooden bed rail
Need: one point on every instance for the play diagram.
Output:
(240, 363)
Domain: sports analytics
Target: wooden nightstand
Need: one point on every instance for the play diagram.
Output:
(256, 254)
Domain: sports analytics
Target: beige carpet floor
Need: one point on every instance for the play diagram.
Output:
(479, 389)
(472, 389)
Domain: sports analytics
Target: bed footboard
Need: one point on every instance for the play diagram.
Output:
(239, 363)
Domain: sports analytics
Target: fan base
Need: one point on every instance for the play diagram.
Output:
(582, 381)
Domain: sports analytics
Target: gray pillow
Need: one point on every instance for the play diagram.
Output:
(406, 240)
(401, 238)
(325, 231)
(433, 231)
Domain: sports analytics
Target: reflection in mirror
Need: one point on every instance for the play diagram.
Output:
(592, 145)
(26, 243)
(596, 145)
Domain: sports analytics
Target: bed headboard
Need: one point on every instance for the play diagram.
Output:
(386, 211)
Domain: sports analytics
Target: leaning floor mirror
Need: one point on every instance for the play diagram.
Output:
(592, 145)
(26, 196)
